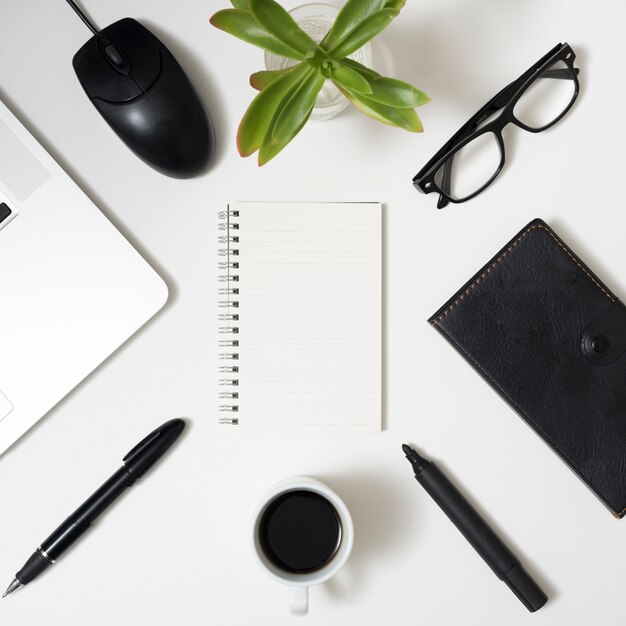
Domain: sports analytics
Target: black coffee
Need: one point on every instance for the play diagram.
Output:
(300, 531)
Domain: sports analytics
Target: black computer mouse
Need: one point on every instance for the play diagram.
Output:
(147, 99)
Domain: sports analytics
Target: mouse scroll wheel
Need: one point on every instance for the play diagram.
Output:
(117, 58)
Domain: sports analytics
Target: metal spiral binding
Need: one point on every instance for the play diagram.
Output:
(229, 250)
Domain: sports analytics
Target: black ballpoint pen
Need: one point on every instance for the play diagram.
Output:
(473, 527)
(136, 463)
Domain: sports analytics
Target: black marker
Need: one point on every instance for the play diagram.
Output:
(136, 463)
(484, 540)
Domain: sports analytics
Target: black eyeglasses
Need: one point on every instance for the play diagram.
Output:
(472, 159)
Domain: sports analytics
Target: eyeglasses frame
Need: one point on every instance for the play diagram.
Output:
(424, 181)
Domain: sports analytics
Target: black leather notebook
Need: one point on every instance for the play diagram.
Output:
(549, 336)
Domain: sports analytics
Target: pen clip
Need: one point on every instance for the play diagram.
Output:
(149, 450)
(142, 445)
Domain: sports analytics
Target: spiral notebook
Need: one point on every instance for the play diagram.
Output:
(300, 316)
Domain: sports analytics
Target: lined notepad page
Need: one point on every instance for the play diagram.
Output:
(309, 316)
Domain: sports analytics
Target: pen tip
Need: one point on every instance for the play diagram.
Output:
(16, 584)
(407, 449)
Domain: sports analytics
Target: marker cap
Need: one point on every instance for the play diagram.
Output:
(525, 588)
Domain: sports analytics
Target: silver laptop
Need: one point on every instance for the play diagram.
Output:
(72, 289)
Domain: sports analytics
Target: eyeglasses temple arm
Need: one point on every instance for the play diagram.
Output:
(499, 101)
(560, 73)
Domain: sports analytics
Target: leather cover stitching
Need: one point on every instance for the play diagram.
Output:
(507, 251)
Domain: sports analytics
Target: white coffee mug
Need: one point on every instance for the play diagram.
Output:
(298, 582)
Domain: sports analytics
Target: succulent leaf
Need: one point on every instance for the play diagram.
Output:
(243, 25)
(390, 91)
(366, 72)
(296, 108)
(270, 150)
(397, 93)
(395, 4)
(403, 118)
(259, 115)
(271, 16)
(261, 80)
(350, 79)
(366, 30)
(350, 16)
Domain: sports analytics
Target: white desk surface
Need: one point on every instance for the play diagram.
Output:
(176, 550)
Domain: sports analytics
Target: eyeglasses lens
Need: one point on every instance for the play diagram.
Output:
(471, 167)
(547, 97)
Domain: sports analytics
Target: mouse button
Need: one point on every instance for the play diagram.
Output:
(116, 57)
(143, 50)
(129, 32)
(146, 68)
(100, 80)
(137, 42)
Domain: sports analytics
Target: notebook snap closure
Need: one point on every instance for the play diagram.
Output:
(605, 339)
(600, 344)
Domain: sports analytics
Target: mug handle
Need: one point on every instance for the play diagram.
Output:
(299, 600)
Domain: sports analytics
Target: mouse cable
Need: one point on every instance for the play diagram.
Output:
(83, 17)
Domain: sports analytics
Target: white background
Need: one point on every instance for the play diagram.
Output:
(176, 551)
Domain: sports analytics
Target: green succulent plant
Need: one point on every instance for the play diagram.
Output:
(286, 97)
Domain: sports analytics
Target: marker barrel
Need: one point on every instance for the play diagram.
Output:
(480, 535)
